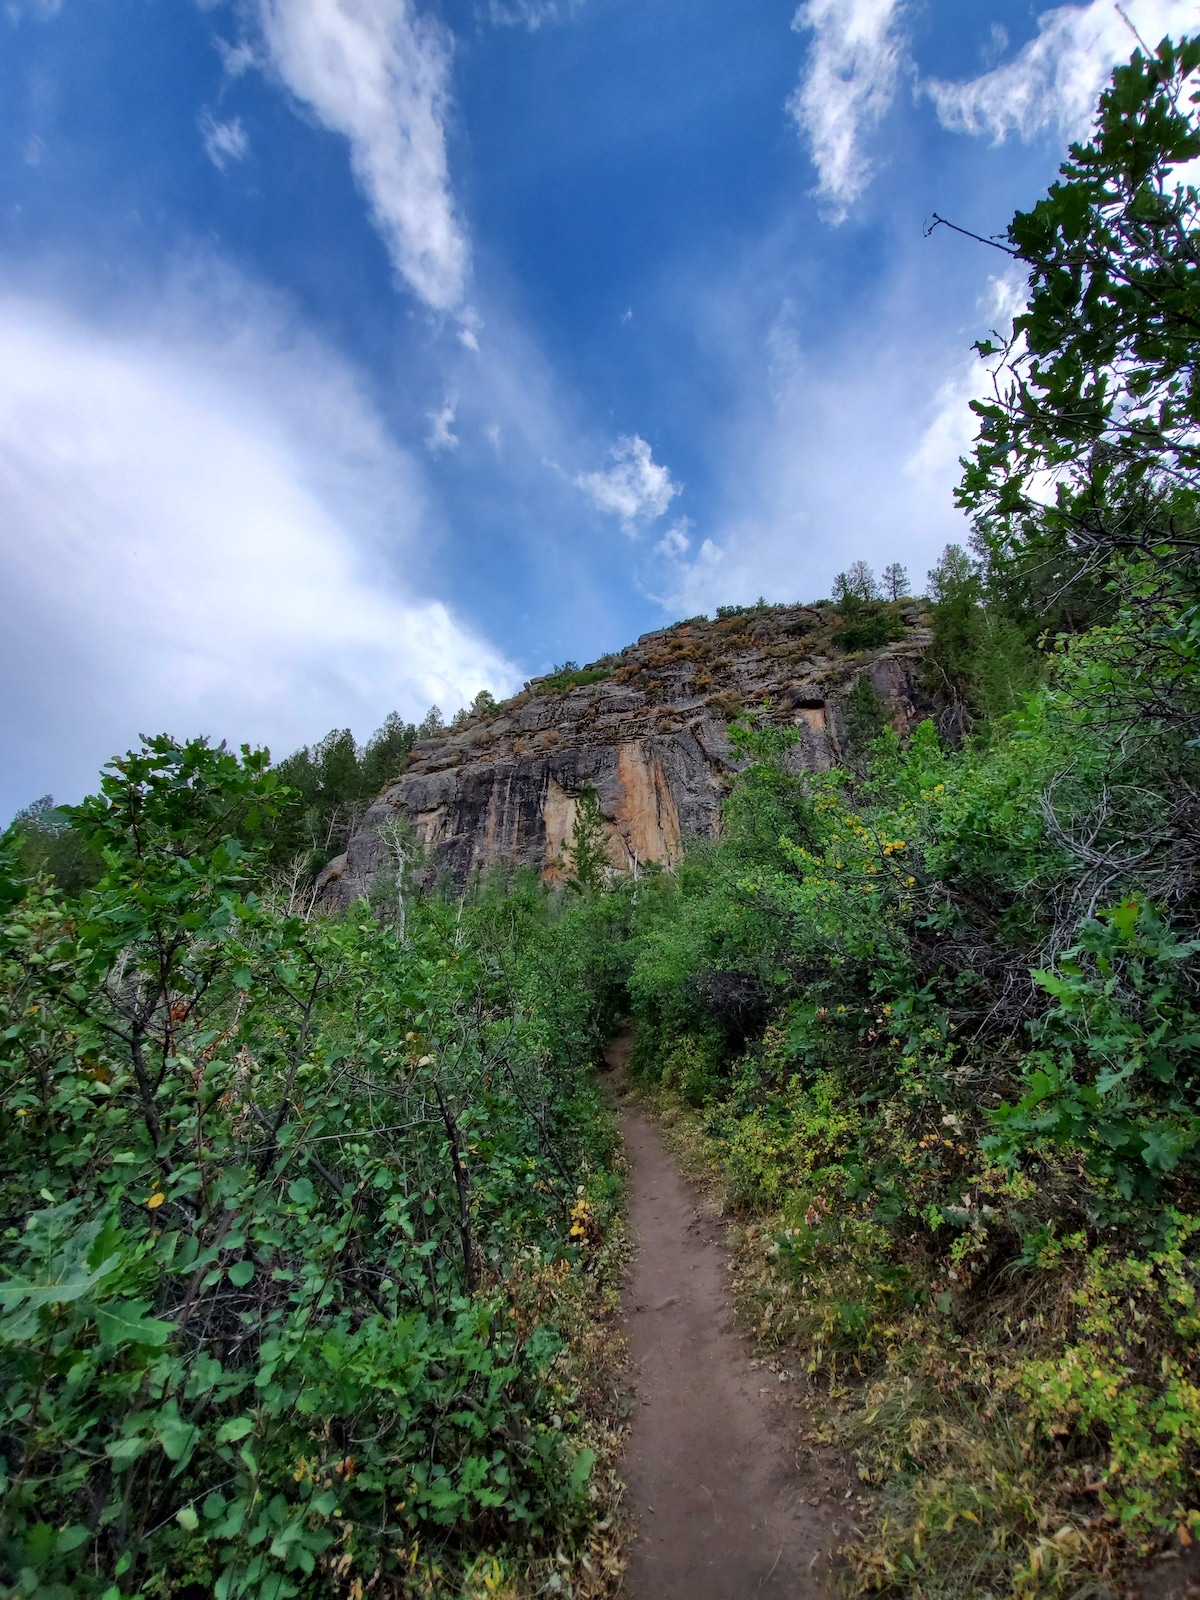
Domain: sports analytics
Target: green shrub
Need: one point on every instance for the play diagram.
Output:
(870, 634)
(569, 676)
(270, 1191)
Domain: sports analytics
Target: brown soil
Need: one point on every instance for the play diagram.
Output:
(724, 1510)
(729, 1501)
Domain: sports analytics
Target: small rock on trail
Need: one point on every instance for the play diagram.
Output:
(722, 1512)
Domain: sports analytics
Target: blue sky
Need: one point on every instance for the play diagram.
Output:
(358, 354)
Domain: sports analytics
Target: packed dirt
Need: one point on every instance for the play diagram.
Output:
(724, 1510)
(729, 1501)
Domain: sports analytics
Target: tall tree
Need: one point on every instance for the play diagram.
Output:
(431, 724)
(1089, 447)
(895, 580)
(386, 752)
(856, 583)
(862, 581)
(589, 850)
(1088, 456)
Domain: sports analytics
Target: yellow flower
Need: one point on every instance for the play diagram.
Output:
(155, 1200)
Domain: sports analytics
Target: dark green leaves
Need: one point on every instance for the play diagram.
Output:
(233, 1322)
(1106, 346)
(121, 1322)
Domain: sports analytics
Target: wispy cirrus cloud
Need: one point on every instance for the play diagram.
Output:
(635, 488)
(223, 141)
(849, 82)
(1055, 79)
(36, 10)
(441, 435)
(841, 450)
(531, 14)
(378, 72)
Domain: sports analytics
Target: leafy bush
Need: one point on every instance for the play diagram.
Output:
(271, 1190)
(934, 1106)
(569, 676)
(870, 634)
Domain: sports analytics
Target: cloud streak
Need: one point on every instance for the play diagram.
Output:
(843, 451)
(441, 435)
(378, 73)
(531, 14)
(849, 82)
(203, 527)
(223, 141)
(1055, 79)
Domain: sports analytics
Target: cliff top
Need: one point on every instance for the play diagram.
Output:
(758, 658)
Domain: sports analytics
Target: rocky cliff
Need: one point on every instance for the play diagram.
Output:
(647, 730)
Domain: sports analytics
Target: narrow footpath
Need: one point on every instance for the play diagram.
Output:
(722, 1512)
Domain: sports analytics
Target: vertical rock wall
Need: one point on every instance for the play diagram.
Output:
(648, 734)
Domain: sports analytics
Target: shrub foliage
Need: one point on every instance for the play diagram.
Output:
(277, 1194)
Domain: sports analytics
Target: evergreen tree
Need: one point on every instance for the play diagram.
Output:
(483, 705)
(45, 842)
(431, 724)
(895, 580)
(866, 715)
(589, 852)
(979, 663)
(956, 575)
(387, 751)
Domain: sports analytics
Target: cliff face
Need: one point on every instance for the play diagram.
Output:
(647, 730)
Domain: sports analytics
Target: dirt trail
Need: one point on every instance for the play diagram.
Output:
(722, 1512)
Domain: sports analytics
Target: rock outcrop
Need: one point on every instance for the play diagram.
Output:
(647, 730)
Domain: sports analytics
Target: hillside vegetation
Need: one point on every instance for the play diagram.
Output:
(312, 1225)
(938, 1019)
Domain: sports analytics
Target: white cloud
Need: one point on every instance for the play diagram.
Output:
(531, 14)
(996, 45)
(470, 323)
(223, 141)
(1055, 79)
(849, 83)
(441, 435)
(202, 523)
(951, 425)
(675, 543)
(851, 456)
(237, 58)
(377, 72)
(38, 10)
(635, 487)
